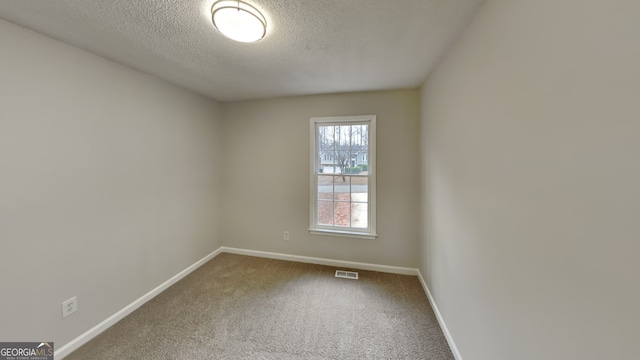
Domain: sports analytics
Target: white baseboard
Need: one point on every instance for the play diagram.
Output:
(104, 325)
(443, 326)
(322, 261)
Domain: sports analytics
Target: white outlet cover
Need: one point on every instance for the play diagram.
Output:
(69, 306)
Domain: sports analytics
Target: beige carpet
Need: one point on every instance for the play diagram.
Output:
(242, 307)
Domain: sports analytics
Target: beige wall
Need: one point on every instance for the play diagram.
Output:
(108, 185)
(531, 127)
(266, 176)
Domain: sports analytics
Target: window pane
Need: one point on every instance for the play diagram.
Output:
(359, 189)
(325, 135)
(341, 186)
(341, 137)
(342, 213)
(359, 215)
(325, 212)
(325, 187)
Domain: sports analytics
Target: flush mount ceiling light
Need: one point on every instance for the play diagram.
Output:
(238, 20)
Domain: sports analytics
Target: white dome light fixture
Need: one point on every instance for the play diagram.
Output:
(238, 20)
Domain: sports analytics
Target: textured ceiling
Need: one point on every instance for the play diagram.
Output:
(311, 46)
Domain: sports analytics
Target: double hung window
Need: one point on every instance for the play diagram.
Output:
(343, 176)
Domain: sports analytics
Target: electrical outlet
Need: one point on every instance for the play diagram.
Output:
(69, 307)
(286, 235)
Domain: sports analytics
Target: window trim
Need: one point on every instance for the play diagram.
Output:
(314, 228)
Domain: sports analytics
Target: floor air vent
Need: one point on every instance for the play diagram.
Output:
(347, 274)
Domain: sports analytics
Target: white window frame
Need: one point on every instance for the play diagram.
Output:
(332, 230)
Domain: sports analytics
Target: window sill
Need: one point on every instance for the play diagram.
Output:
(350, 234)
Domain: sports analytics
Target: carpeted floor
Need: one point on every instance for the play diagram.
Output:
(242, 307)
